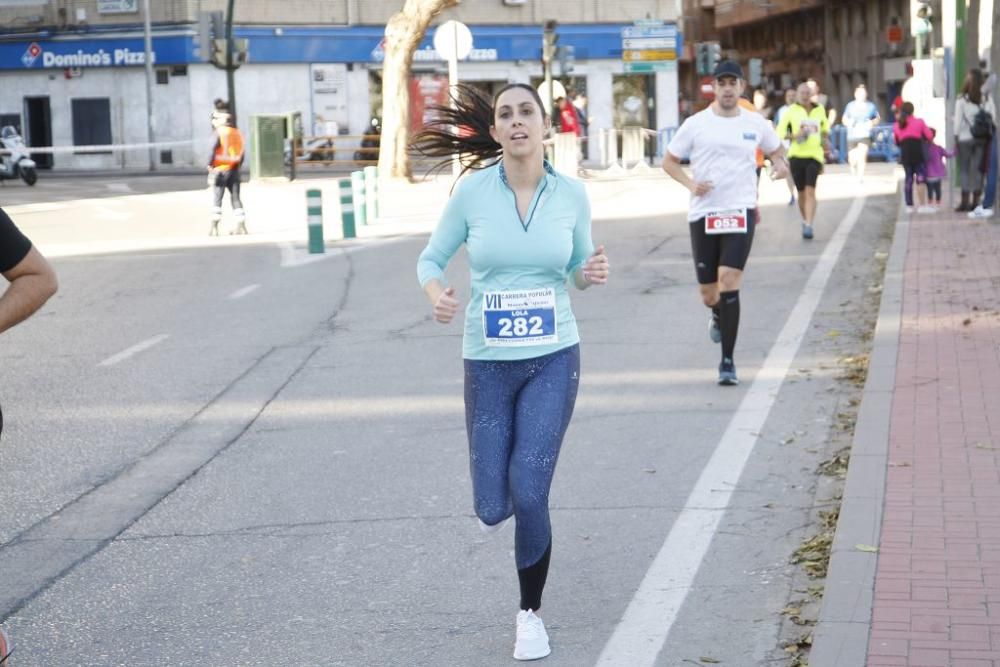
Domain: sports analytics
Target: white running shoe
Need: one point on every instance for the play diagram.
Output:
(487, 528)
(532, 640)
(926, 209)
(980, 212)
(909, 209)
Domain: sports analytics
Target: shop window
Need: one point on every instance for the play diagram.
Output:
(91, 121)
(162, 76)
(178, 70)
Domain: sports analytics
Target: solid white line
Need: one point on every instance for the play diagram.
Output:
(242, 292)
(135, 349)
(641, 633)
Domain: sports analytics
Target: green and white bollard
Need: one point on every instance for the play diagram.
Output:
(371, 193)
(358, 185)
(347, 208)
(314, 211)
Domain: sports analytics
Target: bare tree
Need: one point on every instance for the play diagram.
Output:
(403, 34)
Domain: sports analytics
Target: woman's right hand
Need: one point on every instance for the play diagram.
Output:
(446, 306)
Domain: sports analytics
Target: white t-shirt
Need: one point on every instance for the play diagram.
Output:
(723, 150)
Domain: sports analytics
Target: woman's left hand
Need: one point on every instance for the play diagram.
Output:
(596, 269)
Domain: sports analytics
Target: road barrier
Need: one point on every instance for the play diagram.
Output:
(358, 189)
(314, 211)
(347, 208)
(371, 193)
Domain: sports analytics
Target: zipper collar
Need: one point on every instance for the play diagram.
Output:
(547, 186)
(549, 171)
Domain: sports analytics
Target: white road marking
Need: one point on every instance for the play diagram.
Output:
(242, 292)
(135, 349)
(37, 208)
(110, 214)
(640, 635)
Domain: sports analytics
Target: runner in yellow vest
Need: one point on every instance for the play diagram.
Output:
(806, 124)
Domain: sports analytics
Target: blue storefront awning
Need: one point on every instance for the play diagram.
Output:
(280, 44)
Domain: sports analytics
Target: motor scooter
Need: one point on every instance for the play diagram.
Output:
(371, 141)
(16, 162)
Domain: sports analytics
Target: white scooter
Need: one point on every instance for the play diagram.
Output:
(16, 161)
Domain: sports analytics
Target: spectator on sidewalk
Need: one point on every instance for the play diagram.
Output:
(935, 169)
(910, 134)
(568, 119)
(975, 122)
(985, 210)
(32, 283)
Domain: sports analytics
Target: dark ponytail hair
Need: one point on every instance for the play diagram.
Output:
(904, 114)
(465, 129)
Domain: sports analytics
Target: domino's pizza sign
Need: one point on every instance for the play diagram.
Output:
(31, 54)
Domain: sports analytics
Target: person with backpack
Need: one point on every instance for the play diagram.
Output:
(975, 124)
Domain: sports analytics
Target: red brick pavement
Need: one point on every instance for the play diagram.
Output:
(937, 586)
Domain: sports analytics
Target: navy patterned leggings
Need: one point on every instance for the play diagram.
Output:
(516, 413)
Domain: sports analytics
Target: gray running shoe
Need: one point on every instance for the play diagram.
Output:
(714, 332)
(727, 373)
(807, 231)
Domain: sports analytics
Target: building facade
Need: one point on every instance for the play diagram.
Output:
(73, 71)
(839, 43)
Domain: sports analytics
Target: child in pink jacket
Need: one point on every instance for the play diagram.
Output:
(935, 169)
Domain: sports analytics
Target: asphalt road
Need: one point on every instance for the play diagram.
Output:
(213, 455)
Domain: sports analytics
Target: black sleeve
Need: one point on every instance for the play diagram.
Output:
(14, 245)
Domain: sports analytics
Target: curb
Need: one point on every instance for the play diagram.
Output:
(841, 635)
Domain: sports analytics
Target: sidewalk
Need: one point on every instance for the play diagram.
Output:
(923, 484)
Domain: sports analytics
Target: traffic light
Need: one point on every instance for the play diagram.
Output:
(549, 41)
(566, 57)
(210, 27)
(702, 58)
(714, 56)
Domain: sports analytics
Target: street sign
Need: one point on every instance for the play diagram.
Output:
(649, 43)
(650, 46)
(453, 40)
(894, 34)
(650, 67)
(632, 56)
(706, 87)
(631, 31)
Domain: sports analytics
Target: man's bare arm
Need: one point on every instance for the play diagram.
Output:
(32, 282)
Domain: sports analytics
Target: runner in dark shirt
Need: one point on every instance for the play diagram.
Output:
(32, 282)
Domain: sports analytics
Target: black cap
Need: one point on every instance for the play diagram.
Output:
(728, 68)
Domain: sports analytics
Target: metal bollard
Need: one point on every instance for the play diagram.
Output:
(314, 212)
(347, 208)
(358, 186)
(371, 193)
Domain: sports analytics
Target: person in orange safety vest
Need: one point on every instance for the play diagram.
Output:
(224, 171)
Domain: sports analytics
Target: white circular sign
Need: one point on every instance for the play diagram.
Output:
(558, 90)
(453, 39)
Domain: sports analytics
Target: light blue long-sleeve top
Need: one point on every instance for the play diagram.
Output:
(507, 253)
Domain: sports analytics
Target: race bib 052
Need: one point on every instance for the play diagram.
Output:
(727, 222)
(520, 318)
